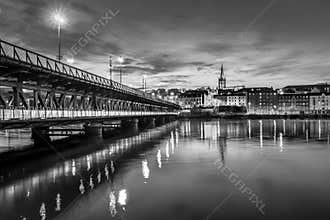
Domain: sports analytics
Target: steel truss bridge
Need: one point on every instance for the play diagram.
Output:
(37, 90)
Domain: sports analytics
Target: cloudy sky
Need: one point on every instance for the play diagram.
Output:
(182, 43)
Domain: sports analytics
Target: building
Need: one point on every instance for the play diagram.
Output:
(193, 99)
(257, 100)
(221, 99)
(304, 99)
(159, 93)
(319, 103)
(221, 80)
(261, 100)
(210, 100)
(172, 95)
(237, 99)
(294, 103)
(315, 88)
(293, 99)
(232, 97)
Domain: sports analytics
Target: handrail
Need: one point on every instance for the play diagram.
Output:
(30, 114)
(62, 68)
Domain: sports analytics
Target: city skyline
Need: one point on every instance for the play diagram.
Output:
(275, 43)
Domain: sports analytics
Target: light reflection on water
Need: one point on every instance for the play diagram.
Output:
(91, 170)
(17, 139)
(14, 139)
(173, 166)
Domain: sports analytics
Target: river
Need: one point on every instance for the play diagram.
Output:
(191, 169)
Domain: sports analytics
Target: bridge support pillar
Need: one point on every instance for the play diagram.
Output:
(92, 130)
(170, 119)
(160, 121)
(167, 119)
(130, 123)
(110, 128)
(146, 123)
(40, 136)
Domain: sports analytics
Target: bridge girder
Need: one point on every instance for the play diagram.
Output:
(27, 96)
(31, 81)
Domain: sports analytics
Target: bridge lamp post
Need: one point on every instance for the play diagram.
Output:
(121, 61)
(59, 20)
(144, 83)
(110, 67)
(70, 60)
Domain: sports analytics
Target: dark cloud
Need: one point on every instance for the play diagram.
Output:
(219, 48)
(99, 48)
(164, 63)
(184, 38)
(173, 81)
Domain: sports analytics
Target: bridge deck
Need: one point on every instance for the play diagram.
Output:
(30, 118)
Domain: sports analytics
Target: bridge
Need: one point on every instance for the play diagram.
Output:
(38, 91)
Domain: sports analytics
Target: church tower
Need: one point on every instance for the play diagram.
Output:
(221, 79)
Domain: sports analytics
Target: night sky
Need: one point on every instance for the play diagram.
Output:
(182, 43)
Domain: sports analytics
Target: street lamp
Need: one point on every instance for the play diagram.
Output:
(59, 20)
(110, 67)
(70, 60)
(144, 83)
(121, 61)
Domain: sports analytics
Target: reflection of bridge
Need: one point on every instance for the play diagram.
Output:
(99, 167)
(36, 90)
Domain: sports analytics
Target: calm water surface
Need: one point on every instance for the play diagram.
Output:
(176, 172)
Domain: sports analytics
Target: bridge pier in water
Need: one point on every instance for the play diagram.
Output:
(146, 123)
(159, 121)
(93, 129)
(129, 123)
(40, 136)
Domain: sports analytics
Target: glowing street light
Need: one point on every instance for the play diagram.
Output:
(110, 66)
(60, 20)
(121, 60)
(70, 60)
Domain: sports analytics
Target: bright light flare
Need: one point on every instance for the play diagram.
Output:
(70, 60)
(59, 18)
(145, 169)
(122, 197)
(121, 60)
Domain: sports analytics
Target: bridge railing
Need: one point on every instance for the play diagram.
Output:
(23, 114)
(40, 61)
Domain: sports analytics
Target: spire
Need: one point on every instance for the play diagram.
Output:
(222, 75)
(222, 79)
